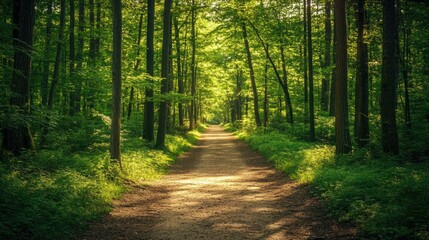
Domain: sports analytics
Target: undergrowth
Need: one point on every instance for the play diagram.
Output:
(56, 192)
(385, 197)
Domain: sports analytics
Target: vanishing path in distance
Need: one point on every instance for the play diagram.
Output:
(221, 189)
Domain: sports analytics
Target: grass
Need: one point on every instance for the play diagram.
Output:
(55, 193)
(386, 197)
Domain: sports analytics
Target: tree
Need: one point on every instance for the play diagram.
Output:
(327, 64)
(72, 55)
(252, 74)
(115, 134)
(18, 136)
(342, 133)
(389, 77)
(166, 40)
(148, 123)
(45, 78)
(193, 113)
(310, 73)
(361, 89)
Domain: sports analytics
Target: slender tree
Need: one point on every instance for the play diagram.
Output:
(389, 79)
(361, 89)
(342, 133)
(327, 63)
(180, 84)
(166, 42)
(149, 112)
(72, 55)
(192, 115)
(46, 63)
(310, 73)
(305, 42)
(252, 75)
(115, 134)
(18, 136)
(285, 86)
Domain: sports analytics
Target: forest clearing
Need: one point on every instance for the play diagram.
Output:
(112, 118)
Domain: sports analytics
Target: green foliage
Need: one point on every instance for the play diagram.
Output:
(55, 193)
(384, 197)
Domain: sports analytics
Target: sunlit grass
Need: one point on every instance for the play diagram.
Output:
(384, 197)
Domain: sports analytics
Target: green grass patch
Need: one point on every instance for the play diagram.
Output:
(56, 192)
(384, 197)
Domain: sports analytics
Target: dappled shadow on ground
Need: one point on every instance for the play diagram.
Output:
(220, 190)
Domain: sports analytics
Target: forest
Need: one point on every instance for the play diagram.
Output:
(98, 97)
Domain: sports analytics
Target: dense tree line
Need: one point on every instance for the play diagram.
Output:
(219, 61)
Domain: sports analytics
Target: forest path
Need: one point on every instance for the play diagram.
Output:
(221, 189)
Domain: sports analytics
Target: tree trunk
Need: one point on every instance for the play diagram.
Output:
(18, 137)
(310, 73)
(289, 112)
(327, 63)
(389, 79)
(192, 117)
(252, 75)
(45, 78)
(266, 94)
(342, 137)
(333, 76)
(72, 56)
(305, 64)
(238, 94)
(361, 89)
(166, 39)
(148, 127)
(79, 56)
(130, 103)
(115, 135)
(179, 70)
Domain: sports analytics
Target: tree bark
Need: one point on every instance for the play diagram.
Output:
(192, 117)
(361, 89)
(342, 137)
(115, 135)
(305, 64)
(166, 39)
(79, 56)
(252, 75)
(327, 64)
(72, 56)
(310, 73)
(333, 76)
(46, 63)
(389, 79)
(181, 88)
(289, 112)
(148, 128)
(266, 94)
(18, 137)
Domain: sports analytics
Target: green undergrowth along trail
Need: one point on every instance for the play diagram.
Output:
(386, 198)
(54, 194)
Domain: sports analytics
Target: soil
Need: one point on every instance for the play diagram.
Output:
(221, 189)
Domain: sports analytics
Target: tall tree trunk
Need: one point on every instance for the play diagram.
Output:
(115, 135)
(333, 76)
(91, 88)
(192, 117)
(252, 75)
(57, 66)
(18, 137)
(179, 70)
(45, 78)
(148, 127)
(361, 89)
(342, 133)
(97, 27)
(79, 56)
(72, 56)
(389, 79)
(327, 63)
(266, 94)
(58, 55)
(166, 39)
(305, 64)
(289, 112)
(136, 67)
(406, 69)
(310, 73)
(238, 94)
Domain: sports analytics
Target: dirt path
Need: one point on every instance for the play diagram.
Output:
(221, 189)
